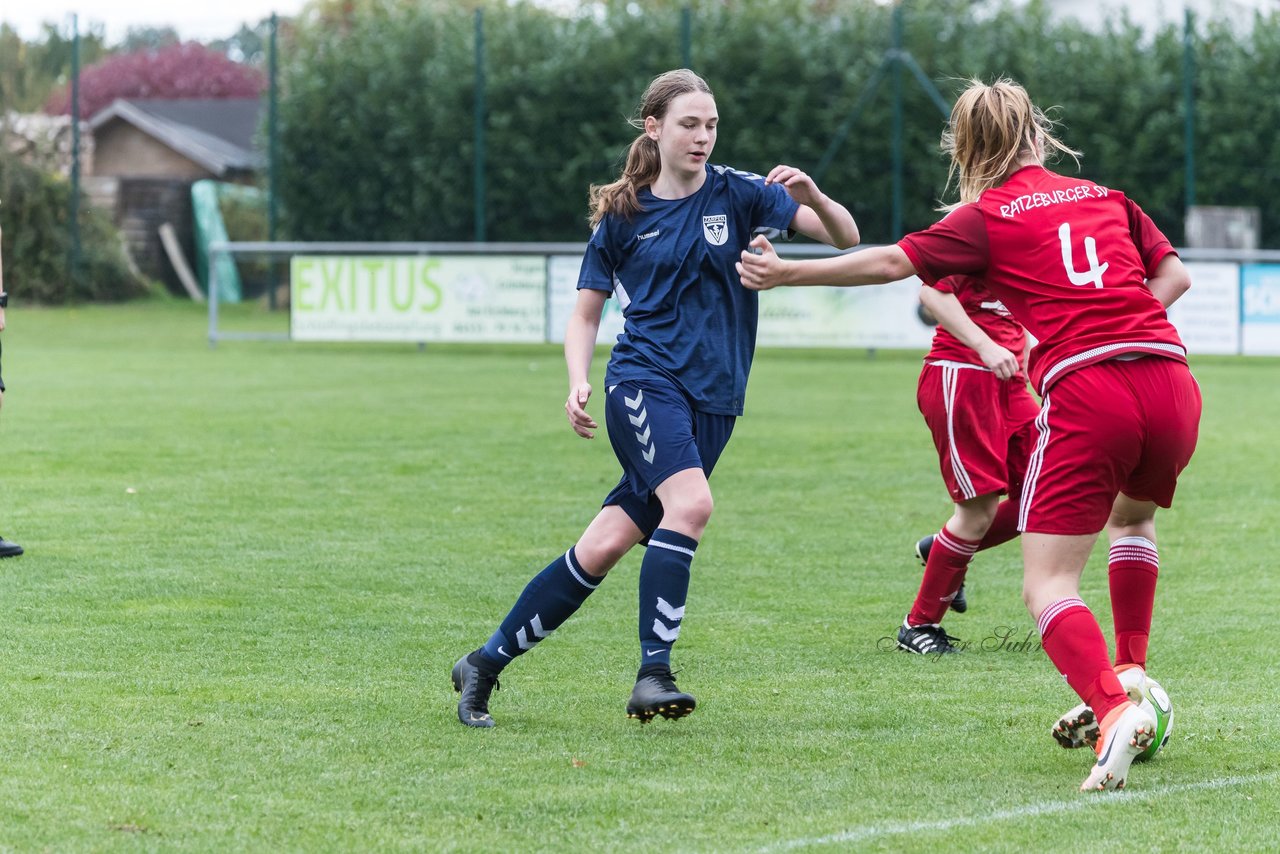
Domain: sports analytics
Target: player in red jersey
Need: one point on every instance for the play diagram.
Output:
(973, 395)
(1090, 276)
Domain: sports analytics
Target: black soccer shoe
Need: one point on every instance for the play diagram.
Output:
(959, 604)
(8, 548)
(656, 694)
(475, 684)
(928, 639)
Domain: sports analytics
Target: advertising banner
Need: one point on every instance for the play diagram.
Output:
(1208, 315)
(1260, 309)
(418, 298)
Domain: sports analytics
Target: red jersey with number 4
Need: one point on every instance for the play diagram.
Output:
(1068, 257)
(987, 312)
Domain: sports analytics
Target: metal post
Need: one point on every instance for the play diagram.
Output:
(686, 37)
(273, 157)
(895, 230)
(1189, 109)
(215, 255)
(480, 125)
(73, 265)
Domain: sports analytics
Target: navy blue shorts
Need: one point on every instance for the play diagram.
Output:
(656, 432)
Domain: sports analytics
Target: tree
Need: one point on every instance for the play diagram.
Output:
(29, 71)
(187, 70)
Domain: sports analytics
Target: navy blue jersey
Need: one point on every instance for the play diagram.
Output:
(687, 317)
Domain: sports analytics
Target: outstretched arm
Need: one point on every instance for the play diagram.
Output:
(953, 318)
(579, 347)
(819, 216)
(874, 266)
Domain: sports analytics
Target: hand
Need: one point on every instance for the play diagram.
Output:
(1, 320)
(575, 408)
(760, 267)
(798, 185)
(1001, 362)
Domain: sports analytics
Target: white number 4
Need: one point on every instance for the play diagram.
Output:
(1093, 275)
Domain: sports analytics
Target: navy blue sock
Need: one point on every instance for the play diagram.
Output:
(664, 585)
(548, 600)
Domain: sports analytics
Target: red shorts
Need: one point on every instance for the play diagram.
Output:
(979, 425)
(1112, 427)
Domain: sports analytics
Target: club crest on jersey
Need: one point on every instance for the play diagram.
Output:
(716, 229)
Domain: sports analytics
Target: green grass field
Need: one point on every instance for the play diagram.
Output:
(250, 569)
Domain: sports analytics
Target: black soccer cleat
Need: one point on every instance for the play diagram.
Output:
(8, 548)
(656, 694)
(959, 604)
(475, 684)
(929, 639)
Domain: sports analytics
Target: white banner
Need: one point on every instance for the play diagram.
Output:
(1208, 316)
(418, 298)
(562, 293)
(881, 316)
(877, 316)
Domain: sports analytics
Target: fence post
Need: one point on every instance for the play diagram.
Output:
(1189, 106)
(73, 262)
(480, 124)
(686, 37)
(273, 157)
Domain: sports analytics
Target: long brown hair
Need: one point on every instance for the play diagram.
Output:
(643, 162)
(992, 127)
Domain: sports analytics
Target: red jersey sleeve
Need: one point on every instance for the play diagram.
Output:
(957, 243)
(1152, 245)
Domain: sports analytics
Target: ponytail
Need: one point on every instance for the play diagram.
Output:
(619, 198)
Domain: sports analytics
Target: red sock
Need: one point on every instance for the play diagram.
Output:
(1004, 527)
(1074, 643)
(1133, 567)
(949, 557)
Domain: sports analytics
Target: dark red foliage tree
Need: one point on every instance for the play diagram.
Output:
(188, 70)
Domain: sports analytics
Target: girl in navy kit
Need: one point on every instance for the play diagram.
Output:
(666, 237)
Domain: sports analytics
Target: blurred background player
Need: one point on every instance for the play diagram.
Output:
(666, 237)
(7, 547)
(973, 395)
(1087, 272)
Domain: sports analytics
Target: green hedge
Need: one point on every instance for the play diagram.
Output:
(378, 123)
(34, 217)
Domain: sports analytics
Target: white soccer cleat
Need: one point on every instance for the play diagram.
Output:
(1079, 727)
(1126, 731)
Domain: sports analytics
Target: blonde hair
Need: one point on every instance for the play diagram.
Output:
(643, 161)
(992, 128)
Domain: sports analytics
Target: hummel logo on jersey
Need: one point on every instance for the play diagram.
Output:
(716, 229)
(996, 307)
(649, 234)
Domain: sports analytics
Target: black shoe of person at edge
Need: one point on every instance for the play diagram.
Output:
(656, 694)
(8, 548)
(475, 683)
(959, 604)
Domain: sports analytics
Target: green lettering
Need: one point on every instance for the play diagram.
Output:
(302, 270)
(331, 273)
(372, 266)
(434, 293)
(396, 302)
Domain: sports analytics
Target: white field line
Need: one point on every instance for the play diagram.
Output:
(1086, 800)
